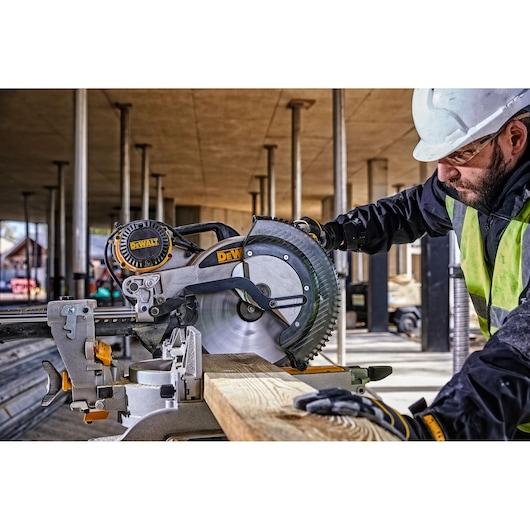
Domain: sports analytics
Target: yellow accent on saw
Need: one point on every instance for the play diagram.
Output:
(315, 370)
(103, 352)
(66, 385)
(93, 415)
(144, 243)
(231, 254)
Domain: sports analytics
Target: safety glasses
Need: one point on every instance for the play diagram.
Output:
(471, 150)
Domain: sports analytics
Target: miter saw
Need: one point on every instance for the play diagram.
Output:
(273, 292)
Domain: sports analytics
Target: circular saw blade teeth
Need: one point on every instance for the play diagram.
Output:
(304, 342)
(289, 262)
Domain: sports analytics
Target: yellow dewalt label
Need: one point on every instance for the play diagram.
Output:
(144, 243)
(434, 427)
(231, 254)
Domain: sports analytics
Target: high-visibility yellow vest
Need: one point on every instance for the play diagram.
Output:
(493, 295)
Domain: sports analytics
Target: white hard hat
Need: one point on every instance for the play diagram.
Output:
(447, 119)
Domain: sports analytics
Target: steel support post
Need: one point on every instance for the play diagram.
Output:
(399, 248)
(159, 196)
(145, 179)
(262, 193)
(60, 249)
(80, 197)
(26, 195)
(296, 155)
(50, 265)
(125, 162)
(254, 195)
(271, 175)
(340, 206)
(125, 173)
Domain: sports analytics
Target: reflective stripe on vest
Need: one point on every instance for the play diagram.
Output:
(493, 297)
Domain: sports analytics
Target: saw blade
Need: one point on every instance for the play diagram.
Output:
(286, 265)
(228, 324)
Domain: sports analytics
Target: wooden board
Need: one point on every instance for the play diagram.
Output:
(252, 400)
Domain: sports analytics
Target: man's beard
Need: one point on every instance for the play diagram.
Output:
(488, 190)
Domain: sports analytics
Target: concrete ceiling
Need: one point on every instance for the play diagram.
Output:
(209, 144)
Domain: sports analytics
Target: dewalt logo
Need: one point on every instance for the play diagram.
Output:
(231, 254)
(144, 243)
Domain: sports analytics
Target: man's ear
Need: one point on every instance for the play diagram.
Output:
(517, 137)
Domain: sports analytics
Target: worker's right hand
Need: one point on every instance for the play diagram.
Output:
(329, 235)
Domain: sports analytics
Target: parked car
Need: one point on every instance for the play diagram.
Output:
(404, 302)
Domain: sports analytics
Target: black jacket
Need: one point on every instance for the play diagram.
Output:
(490, 396)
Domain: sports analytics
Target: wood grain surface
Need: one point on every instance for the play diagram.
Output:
(252, 400)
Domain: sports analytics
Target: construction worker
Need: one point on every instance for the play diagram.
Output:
(481, 190)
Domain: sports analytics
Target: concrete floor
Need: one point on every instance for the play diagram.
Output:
(415, 374)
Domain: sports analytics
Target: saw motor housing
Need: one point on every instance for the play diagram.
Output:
(142, 246)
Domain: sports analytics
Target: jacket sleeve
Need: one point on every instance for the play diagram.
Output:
(401, 218)
(490, 396)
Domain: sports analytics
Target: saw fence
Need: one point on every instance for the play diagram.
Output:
(252, 401)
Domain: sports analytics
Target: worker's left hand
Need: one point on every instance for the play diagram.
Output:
(343, 402)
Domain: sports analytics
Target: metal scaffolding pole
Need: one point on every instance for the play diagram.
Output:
(26, 195)
(340, 205)
(272, 178)
(254, 195)
(50, 265)
(296, 155)
(125, 163)
(399, 248)
(159, 196)
(60, 249)
(125, 172)
(80, 198)
(262, 193)
(145, 179)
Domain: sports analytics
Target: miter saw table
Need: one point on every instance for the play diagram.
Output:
(272, 294)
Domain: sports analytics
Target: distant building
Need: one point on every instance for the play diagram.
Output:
(13, 262)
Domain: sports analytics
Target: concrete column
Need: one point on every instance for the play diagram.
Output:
(435, 294)
(80, 197)
(296, 105)
(435, 264)
(60, 255)
(169, 211)
(271, 174)
(378, 263)
(144, 148)
(125, 163)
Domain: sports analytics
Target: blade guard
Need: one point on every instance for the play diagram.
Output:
(317, 319)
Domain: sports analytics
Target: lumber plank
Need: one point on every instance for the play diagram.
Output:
(252, 401)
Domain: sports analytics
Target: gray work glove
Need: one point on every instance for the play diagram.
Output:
(345, 403)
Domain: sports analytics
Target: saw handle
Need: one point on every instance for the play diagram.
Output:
(221, 230)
